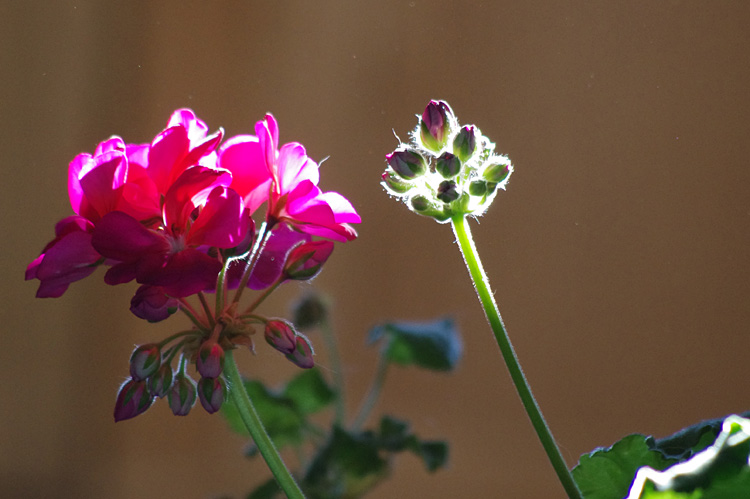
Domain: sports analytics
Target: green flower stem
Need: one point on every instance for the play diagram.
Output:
(372, 394)
(482, 285)
(336, 368)
(206, 308)
(257, 431)
(264, 232)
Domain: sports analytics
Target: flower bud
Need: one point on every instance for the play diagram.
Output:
(150, 303)
(302, 356)
(212, 393)
(210, 361)
(145, 361)
(394, 184)
(132, 400)
(309, 311)
(447, 191)
(497, 173)
(465, 142)
(280, 335)
(448, 165)
(182, 395)
(407, 164)
(423, 206)
(305, 261)
(478, 188)
(161, 381)
(435, 125)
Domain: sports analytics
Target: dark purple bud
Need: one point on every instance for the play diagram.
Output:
(145, 361)
(182, 395)
(497, 173)
(309, 311)
(305, 261)
(210, 361)
(150, 303)
(161, 381)
(447, 191)
(407, 164)
(280, 335)
(435, 125)
(302, 355)
(465, 142)
(212, 393)
(448, 165)
(132, 400)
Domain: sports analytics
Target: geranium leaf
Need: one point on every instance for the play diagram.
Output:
(432, 345)
(309, 391)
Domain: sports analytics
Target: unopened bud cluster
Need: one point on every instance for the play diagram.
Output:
(446, 170)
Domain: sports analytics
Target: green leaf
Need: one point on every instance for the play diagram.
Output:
(720, 471)
(432, 345)
(280, 415)
(347, 466)
(608, 473)
(434, 454)
(686, 442)
(309, 391)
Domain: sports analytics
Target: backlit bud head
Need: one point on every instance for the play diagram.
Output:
(394, 184)
(448, 165)
(447, 191)
(281, 335)
(465, 142)
(407, 164)
(498, 172)
(150, 303)
(182, 395)
(132, 400)
(302, 356)
(212, 392)
(478, 188)
(305, 261)
(309, 311)
(145, 361)
(210, 360)
(423, 206)
(435, 125)
(161, 381)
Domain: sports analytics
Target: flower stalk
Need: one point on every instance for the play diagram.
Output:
(482, 286)
(254, 425)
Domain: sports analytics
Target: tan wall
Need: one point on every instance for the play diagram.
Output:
(619, 253)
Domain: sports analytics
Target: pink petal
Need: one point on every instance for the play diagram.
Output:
(167, 150)
(242, 156)
(196, 129)
(190, 190)
(222, 221)
(342, 209)
(294, 167)
(267, 131)
(101, 180)
(271, 262)
(70, 259)
(185, 273)
(121, 237)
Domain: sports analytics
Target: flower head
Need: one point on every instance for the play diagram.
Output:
(446, 170)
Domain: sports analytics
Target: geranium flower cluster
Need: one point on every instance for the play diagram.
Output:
(447, 170)
(178, 216)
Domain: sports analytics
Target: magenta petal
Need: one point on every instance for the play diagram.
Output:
(102, 182)
(186, 273)
(191, 189)
(75, 191)
(203, 153)
(69, 259)
(121, 237)
(343, 211)
(222, 221)
(267, 131)
(167, 149)
(271, 262)
(242, 156)
(196, 129)
(113, 143)
(294, 167)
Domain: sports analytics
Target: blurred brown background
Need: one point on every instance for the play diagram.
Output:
(619, 253)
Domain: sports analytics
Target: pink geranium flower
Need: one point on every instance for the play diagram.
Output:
(288, 179)
(199, 212)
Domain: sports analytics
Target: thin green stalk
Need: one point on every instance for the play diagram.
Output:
(191, 313)
(372, 394)
(335, 360)
(257, 431)
(206, 308)
(264, 232)
(482, 286)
